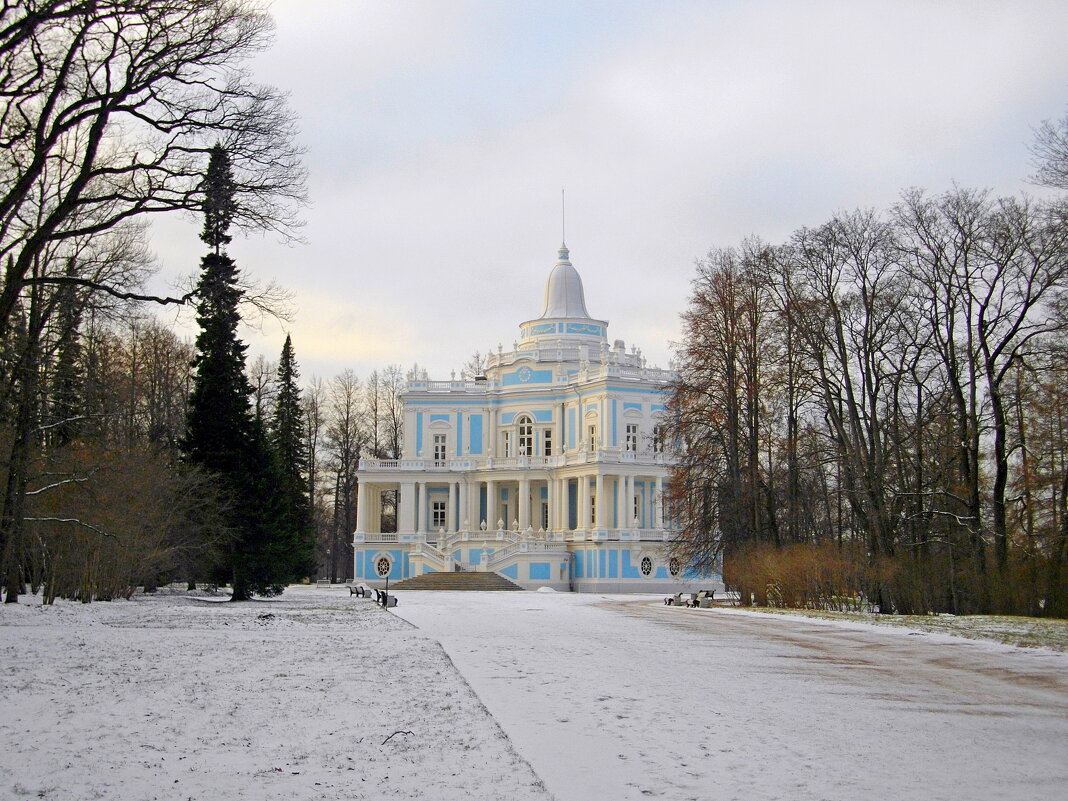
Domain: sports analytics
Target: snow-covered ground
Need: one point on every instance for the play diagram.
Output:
(613, 698)
(291, 698)
(603, 698)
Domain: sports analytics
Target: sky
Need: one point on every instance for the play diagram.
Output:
(439, 136)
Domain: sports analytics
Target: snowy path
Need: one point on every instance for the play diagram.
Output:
(612, 699)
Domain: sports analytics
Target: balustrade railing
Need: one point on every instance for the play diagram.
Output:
(601, 455)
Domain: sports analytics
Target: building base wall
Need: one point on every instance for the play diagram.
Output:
(572, 566)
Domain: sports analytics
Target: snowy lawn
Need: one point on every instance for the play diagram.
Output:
(169, 697)
(613, 698)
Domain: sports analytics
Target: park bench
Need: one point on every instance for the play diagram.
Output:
(360, 590)
(385, 599)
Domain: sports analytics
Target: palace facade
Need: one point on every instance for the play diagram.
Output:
(548, 469)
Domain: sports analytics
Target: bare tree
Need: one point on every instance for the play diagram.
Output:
(315, 410)
(345, 439)
(391, 384)
(991, 271)
(261, 375)
(107, 111)
(1050, 152)
(372, 413)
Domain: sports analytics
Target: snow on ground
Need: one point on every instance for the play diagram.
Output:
(170, 697)
(605, 698)
(610, 698)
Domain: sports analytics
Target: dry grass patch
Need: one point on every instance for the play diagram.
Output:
(1024, 632)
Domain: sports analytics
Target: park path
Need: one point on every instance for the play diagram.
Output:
(611, 698)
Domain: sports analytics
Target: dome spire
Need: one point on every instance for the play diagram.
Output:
(563, 222)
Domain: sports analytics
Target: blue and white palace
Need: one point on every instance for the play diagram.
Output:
(549, 469)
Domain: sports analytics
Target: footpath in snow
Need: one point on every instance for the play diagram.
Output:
(295, 698)
(612, 698)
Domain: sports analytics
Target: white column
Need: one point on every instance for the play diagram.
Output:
(491, 505)
(629, 501)
(562, 501)
(658, 504)
(621, 502)
(361, 508)
(465, 510)
(491, 434)
(599, 501)
(406, 510)
(451, 524)
(605, 441)
(524, 504)
(550, 492)
(584, 503)
(420, 507)
(561, 447)
(637, 501)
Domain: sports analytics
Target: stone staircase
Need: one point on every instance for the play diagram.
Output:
(483, 582)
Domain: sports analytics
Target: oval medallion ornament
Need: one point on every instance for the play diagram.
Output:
(383, 567)
(524, 375)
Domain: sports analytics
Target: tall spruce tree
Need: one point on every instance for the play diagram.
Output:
(291, 457)
(221, 435)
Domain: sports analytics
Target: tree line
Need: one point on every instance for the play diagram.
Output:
(874, 411)
(111, 112)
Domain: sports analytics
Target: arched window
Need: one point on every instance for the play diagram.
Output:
(525, 441)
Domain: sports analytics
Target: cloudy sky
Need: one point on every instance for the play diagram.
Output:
(439, 135)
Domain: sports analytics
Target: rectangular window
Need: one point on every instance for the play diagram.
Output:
(545, 516)
(437, 515)
(658, 439)
(591, 436)
(548, 439)
(632, 437)
(506, 443)
(439, 450)
(593, 508)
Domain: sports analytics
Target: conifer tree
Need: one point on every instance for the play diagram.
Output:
(66, 407)
(221, 435)
(287, 440)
